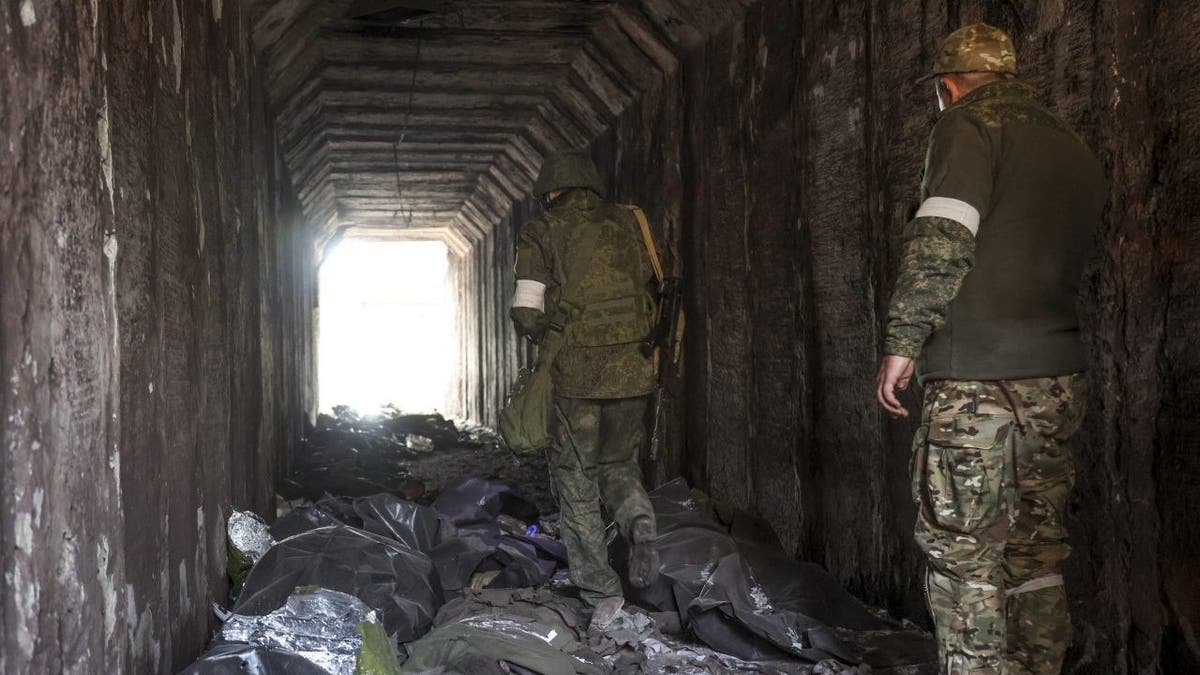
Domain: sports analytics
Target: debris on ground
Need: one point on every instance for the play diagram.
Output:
(411, 456)
(470, 577)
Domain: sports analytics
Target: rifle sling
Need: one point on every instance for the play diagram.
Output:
(648, 238)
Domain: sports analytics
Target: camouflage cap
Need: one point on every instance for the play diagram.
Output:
(563, 170)
(977, 48)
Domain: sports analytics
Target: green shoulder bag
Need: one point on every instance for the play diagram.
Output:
(525, 419)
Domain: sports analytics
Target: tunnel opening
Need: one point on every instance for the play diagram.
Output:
(387, 326)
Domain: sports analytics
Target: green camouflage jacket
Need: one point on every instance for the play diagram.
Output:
(583, 265)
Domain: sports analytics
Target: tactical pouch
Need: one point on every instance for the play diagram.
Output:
(615, 321)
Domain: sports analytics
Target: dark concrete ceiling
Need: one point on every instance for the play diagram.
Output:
(437, 124)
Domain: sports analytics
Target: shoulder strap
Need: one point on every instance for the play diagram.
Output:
(551, 345)
(648, 238)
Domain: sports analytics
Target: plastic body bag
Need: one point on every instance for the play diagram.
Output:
(388, 576)
(665, 654)
(749, 600)
(419, 527)
(484, 542)
(455, 558)
(525, 629)
(327, 511)
(244, 659)
(474, 500)
(510, 560)
(491, 541)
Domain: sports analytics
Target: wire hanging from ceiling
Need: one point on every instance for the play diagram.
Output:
(408, 110)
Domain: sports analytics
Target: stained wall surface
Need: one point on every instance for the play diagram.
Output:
(782, 158)
(154, 325)
(492, 354)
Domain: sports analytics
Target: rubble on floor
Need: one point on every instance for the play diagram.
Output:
(473, 580)
(411, 456)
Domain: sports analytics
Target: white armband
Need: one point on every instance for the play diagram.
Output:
(952, 209)
(531, 294)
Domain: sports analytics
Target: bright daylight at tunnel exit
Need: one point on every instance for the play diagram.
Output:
(387, 332)
(631, 337)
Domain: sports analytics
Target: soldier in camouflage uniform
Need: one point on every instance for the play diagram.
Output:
(583, 269)
(986, 298)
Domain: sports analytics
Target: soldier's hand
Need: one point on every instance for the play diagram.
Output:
(530, 323)
(895, 373)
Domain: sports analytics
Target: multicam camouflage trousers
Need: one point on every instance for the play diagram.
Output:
(992, 467)
(594, 461)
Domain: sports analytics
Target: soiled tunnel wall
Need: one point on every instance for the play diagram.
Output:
(483, 279)
(782, 160)
(154, 325)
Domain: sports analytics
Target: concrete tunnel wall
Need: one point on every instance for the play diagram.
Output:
(779, 155)
(155, 316)
(491, 354)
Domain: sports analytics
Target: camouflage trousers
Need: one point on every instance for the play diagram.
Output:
(992, 468)
(594, 463)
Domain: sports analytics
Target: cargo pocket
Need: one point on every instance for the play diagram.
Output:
(966, 470)
(916, 465)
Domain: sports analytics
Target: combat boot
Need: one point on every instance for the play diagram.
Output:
(605, 612)
(643, 554)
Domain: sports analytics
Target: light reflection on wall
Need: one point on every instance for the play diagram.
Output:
(387, 327)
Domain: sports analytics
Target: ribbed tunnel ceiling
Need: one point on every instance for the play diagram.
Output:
(436, 124)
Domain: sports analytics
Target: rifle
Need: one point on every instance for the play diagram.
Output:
(665, 337)
(665, 344)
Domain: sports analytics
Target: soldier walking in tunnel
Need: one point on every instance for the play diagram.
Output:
(986, 299)
(584, 281)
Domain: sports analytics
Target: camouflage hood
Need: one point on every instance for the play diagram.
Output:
(565, 170)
